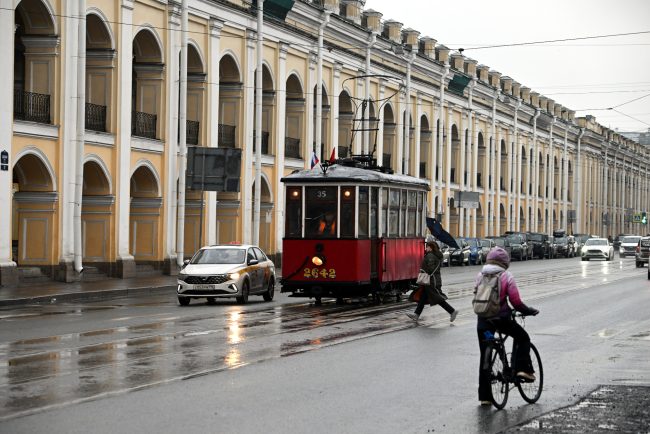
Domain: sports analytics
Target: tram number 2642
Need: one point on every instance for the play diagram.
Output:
(315, 273)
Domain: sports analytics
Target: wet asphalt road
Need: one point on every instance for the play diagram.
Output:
(148, 365)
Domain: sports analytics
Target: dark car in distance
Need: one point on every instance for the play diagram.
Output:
(527, 246)
(476, 255)
(541, 245)
(503, 243)
(518, 247)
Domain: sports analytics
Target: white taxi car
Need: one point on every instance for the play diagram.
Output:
(227, 271)
(597, 248)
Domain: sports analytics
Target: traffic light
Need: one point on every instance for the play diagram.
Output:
(644, 218)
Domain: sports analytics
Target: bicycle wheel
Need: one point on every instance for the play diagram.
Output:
(499, 387)
(531, 391)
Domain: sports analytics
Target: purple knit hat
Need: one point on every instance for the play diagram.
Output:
(498, 256)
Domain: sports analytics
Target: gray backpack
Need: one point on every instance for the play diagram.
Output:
(486, 301)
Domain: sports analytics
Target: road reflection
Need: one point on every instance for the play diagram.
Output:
(54, 370)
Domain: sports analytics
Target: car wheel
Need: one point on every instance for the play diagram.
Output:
(243, 298)
(585, 259)
(638, 265)
(268, 295)
(184, 301)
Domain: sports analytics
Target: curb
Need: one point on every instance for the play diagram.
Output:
(88, 295)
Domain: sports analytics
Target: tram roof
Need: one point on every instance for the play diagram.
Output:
(345, 174)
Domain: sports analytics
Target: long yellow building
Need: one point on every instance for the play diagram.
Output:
(89, 127)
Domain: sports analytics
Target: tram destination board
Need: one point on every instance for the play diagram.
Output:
(213, 169)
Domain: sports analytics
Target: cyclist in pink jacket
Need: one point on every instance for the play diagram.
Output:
(498, 261)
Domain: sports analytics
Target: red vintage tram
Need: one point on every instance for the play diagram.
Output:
(352, 229)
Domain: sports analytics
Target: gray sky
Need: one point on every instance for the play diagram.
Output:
(582, 74)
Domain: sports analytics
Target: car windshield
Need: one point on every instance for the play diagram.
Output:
(514, 239)
(486, 243)
(630, 240)
(499, 241)
(596, 242)
(535, 237)
(561, 240)
(472, 243)
(219, 256)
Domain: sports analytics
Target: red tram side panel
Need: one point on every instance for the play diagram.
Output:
(399, 259)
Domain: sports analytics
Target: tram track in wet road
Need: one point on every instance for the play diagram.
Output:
(45, 371)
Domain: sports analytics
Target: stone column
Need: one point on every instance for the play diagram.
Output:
(8, 272)
(309, 111)
(334, 103)
(399, 136)
(418, 138)
(474, 173)
(279, 130)
(125, 261)
(68, 93)
(248, 158)
(461, 174)
(170, 186)
(448, 125)
(379, 154)
(214, 44)
(497, 183)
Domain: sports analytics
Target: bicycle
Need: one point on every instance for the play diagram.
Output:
(502, 377)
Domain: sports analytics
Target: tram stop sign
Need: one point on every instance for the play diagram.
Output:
(213, 169)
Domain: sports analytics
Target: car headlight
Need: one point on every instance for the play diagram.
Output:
(233, 276)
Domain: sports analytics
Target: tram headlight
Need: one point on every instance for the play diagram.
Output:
(317, 260)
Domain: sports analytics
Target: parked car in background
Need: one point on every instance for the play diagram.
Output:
(518, 247)
(552, 247)
(617, 240)
(526, 244)
(475, 251)
(580, 240)
(597, 248)
(565, 247)
(226, 271)
(445, 253)
(461, 255)
(643, 251)
(503, 243)
(628, 246)
(486, 245)
(541, 246)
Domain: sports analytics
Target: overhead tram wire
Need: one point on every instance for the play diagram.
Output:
(580, 38)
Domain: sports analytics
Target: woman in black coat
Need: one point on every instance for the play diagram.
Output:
(432, 293)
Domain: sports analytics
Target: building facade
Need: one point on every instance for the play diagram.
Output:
(89, 126)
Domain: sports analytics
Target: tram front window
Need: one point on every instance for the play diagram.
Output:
(320, 212)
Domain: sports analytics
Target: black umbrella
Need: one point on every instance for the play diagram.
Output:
(437, 231)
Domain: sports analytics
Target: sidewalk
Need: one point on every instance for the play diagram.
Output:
(56, 292)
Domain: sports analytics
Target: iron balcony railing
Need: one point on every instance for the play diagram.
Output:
(30, 106)
(265, 142)
(291, 147)
(96, 117)
(192, 132)
(143, 124)
(227, 136)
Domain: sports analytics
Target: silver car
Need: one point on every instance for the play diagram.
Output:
(628, 246)
(597, 248)
(227, 271)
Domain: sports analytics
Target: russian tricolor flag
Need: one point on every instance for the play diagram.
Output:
(314, 159)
